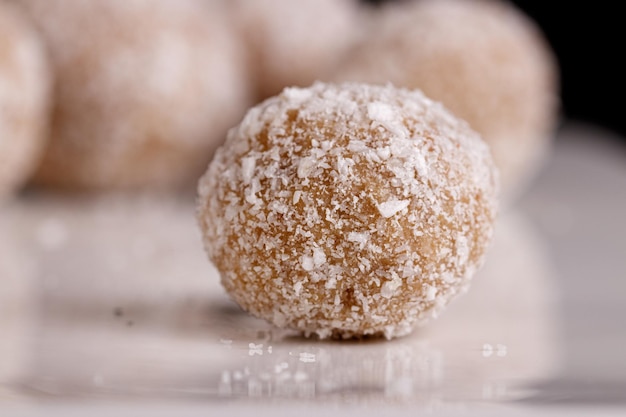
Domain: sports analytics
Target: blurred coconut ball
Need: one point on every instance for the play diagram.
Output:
(484, 59)
(145, 90)
(24, 91)
(294, 43)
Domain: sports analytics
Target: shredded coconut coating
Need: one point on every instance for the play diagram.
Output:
(485, 60)
(145, 90)
(294, 43)
(24, 92)
(348, 210)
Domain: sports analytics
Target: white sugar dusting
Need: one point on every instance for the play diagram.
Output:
(296, 196)
(381, 112)
(306, 166)
(360, 238)
(307, 263)
(319, 257)
(386, 116)
(297, 95)
(364, 214)
(389, 288)
(462, 249)
(297, 287)
(430, 292)
(391, 207)
(247, 169)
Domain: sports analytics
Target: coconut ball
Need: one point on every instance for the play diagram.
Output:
(293, 43)
(145, 90)
(485, 60)
(24, 91)
(348, 210)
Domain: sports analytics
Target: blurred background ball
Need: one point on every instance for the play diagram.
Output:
(145, 90)
(485, 60)
(24, 89)
(294, 43)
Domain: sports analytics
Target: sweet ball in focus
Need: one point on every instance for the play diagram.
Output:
(484, 59)
(145, 90)
(348, 210)
(294, 43)
(24, 93)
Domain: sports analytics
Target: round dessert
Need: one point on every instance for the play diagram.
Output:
(484, 60)
(348, 210)
(294, 43)
(24, 92)
(145, 90)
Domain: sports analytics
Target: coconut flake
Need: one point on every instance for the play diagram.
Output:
(307, 263)
(391, 207)
(247, 169)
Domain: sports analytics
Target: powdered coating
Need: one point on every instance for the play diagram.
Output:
(345, 225)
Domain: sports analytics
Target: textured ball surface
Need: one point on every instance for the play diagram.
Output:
(24, 92)
(348, 210)
(145, 90)
(294, 43)
(483, 59)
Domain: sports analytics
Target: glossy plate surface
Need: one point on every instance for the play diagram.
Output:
(111, 301)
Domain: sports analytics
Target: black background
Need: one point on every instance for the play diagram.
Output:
(588, 39)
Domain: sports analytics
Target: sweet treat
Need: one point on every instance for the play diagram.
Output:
(484, 60)
(293, 43)
(145, 90)
(348, 210)
(24, 91)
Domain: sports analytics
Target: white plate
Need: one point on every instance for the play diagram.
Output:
(111, 300)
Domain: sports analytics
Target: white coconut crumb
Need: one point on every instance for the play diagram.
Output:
(306, 166)
(430, 292)
(307, 263)
(391, 207)
(389, 288)
(324, 333)
(319, 257)
(305, 234)
(330, 283)
(297, 95)
(343, 166)
(296, 196)
(381, 112)
(462, 249)
(279, 319)
(384, 152)
(360, 238)
(297, 287)
(247, 169)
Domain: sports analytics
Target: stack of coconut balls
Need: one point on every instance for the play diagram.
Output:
(368, 151)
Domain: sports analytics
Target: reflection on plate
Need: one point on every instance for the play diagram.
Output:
(17, 307)
(128, 306)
